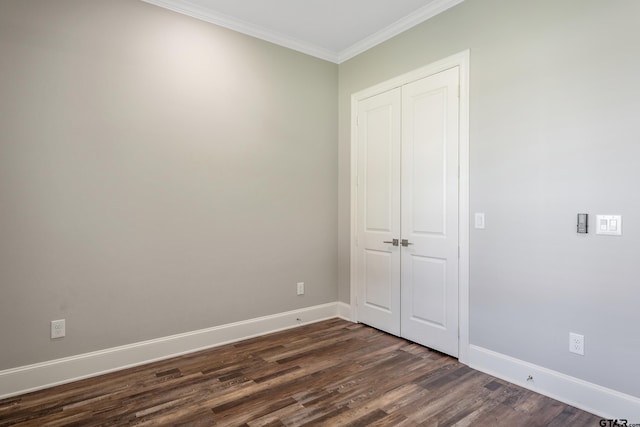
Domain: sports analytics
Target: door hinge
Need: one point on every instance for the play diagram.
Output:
(458, 252)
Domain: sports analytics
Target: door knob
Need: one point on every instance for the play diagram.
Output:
(394, 242)
(405, 243)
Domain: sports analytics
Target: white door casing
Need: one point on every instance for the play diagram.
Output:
(432, 256)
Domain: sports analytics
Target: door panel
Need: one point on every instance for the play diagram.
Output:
(429, 272)
(378, 220)
(378, 157)
(429, 293)
(428, 199)
(378, 271)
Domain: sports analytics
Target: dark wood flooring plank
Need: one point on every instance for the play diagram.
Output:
(332, 373)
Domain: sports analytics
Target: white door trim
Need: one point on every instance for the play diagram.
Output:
(458, 60)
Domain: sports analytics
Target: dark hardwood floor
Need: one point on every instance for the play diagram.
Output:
(332, 373)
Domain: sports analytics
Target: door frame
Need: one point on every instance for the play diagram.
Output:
(457, 60)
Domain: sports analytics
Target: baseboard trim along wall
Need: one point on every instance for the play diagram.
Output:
(344, 311)
(47, 374)
(602, 401)
(590, 397)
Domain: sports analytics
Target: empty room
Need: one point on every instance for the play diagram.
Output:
(319, 212)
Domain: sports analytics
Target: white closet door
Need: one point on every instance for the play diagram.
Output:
(378, 219)
(430, 134)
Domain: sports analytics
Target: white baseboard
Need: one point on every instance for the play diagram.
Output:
(344, 311)
(47, 374)
(590, 397)
(602, 401)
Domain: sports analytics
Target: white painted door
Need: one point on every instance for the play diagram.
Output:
(378, 222)
(407, 189)
(429, 271)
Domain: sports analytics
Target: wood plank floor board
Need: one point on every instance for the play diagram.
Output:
(543, 409)
(396, 420)
(331, 373)
(369, 409)
(454, 407)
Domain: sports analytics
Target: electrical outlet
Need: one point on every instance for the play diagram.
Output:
(576, 343)
(300, 288)
(58, 328)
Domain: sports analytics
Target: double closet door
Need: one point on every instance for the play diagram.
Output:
(407, 211)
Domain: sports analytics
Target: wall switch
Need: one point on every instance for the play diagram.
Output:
(479, 220)
(583, 223)
(576, 343)
(58, 328)
(300, 288)
(610, 225)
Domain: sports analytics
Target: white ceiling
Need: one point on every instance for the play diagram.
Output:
(335, 30)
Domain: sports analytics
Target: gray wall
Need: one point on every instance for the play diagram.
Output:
(554, 131)
(158, 175)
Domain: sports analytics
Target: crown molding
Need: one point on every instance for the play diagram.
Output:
(203, 14)
(187, 8)
(419, 16)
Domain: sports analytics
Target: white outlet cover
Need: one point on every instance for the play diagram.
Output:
(58, 328)
(576, 343)
(479, 220)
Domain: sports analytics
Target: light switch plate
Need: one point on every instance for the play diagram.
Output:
(479, 220)
(610, 225)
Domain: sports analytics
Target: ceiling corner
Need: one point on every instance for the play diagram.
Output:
(419, 16)
(193, 10)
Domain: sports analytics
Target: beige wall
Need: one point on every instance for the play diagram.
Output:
(554, 131)
(158, 175)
